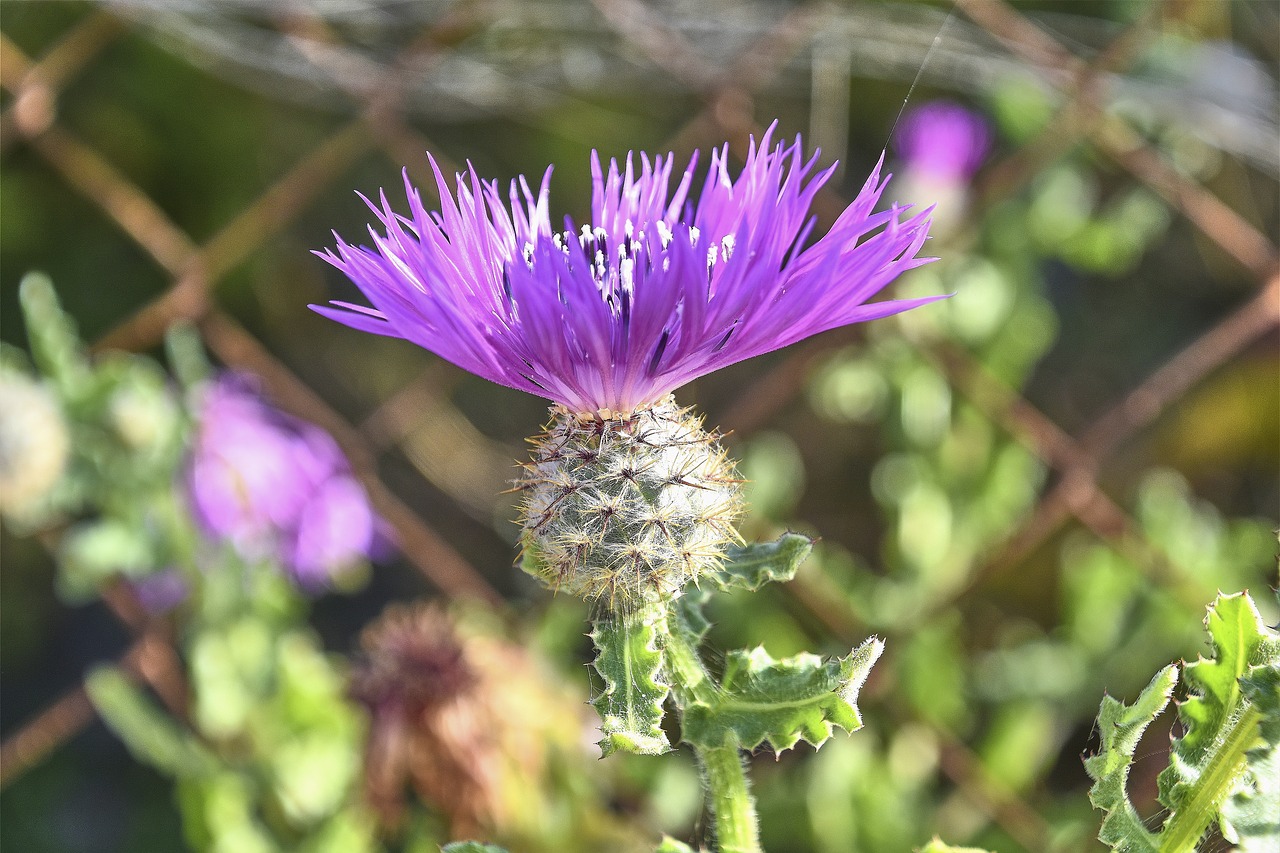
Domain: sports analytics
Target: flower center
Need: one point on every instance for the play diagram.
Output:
(614, 267)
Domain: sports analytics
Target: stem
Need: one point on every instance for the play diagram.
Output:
(737, 827)
(1191, 820)
(731, 803)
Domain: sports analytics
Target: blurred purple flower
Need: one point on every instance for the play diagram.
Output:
(943, 141)
(275, 487)
(655, 292)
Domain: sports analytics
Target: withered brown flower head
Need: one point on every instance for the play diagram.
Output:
(413, 659)
(429, 726)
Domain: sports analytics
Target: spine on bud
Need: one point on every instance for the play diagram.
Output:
(627, 509)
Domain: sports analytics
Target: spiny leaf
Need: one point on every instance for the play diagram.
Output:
(747, 567)
(752, 566)
(629, 658)
(781, 702)
(1252, 813)
(1121, 727)
(150, 734)
(1240, 642)
(688, 610)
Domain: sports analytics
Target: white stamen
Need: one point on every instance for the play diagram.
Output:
(626, 274)
(664, 232)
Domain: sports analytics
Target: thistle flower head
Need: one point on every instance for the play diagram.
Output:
(442, 692)
(655, 291)
(274, 486)
(943, 141)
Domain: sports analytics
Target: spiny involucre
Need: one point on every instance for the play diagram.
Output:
(627, 508)
(609, 318)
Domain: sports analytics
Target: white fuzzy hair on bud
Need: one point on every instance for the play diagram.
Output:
(626, 508)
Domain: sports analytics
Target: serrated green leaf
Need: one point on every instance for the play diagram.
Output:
(471, 847)
(1252, 812)
(1206, 763)
(1121, 727)
(689, 612)
(629, 658)
(150, 734)
(748, 567)
(752, 566)
(781, 702)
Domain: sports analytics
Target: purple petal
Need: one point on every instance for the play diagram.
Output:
(656, 291)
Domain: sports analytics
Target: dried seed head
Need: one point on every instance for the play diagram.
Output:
(429, 724)
(627, 507)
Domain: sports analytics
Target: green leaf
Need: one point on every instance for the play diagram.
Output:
(691, 618)
(781, 702)
(1121, 727)
(630, 660)
(1207, 762)
(151, 735)
(471, 847)
(1252, 813)
(1223, 766)
(752, 566)
(55, 346)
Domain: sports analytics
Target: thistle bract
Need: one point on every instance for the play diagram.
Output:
(627, 508)
(654, 292)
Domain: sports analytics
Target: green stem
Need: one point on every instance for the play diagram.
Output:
(1191, 819)
(734, 810)
(737, 828)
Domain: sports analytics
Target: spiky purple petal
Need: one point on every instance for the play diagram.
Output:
(655, 292)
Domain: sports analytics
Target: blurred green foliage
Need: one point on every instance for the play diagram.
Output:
(1068, 292)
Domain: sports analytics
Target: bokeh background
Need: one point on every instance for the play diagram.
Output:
(1031, 491)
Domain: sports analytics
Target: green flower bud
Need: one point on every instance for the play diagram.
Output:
(627, 507)
(143, 414)
(34, 443)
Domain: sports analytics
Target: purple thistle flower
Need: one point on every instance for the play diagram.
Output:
(658, 290)
(943, 142)
(275, 487)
